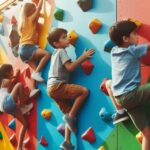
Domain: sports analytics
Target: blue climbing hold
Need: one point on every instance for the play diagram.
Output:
(12, 124)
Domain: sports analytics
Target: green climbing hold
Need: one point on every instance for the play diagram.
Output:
(1, 136)
(59, 14)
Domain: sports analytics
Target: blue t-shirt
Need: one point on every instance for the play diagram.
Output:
(126, 68)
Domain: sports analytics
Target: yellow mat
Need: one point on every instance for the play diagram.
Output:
(5, 143)
(45, 21)
(3, 57)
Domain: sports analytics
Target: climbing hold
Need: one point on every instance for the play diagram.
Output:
(43, 141)
(46, 114)
(61, 129)
(87, 66)
(137, 22)
(95, 25)
(106, 116)
(59, 14)
(103, 86)
(108, 46)
(13, 140)
(72, 37)
(1, 136)
(26, 142)
(13, 20)
(139, 137)
(12, 124)
(101, 148)
(89, 135)
(1, 18)
(85, 5)
(26, 72)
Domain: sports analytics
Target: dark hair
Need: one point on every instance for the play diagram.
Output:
(120, 29)
(55, 35)
(4, 71)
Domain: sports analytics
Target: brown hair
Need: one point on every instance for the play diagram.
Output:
(120, 29)
(55, 35)
(5, 69)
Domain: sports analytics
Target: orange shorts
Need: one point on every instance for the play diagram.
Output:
(64, 95)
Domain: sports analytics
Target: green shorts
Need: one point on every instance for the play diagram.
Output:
(134, 103)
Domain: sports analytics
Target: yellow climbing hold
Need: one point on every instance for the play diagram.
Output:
(46, 114)
(101, 148)
(5, 143)
(137, 22)
(139, 137)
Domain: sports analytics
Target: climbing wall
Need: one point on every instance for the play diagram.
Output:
(70, 16)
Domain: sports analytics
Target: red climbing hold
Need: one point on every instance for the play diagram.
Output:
(13, 20)
(89, 135)
(87, 66)
(43, 141)
(103, 86)
(26, 143)
(13, 140)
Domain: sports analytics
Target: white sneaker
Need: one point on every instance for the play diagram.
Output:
(34, 93)
(36, 76)
(26, 108)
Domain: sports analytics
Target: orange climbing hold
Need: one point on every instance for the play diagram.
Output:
(43, 141)
(139, 137)
(72, 37)
(87, 66)
(89, 135)
(95, 25)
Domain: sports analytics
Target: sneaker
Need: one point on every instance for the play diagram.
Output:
(71, 123)
(120, 117)
(34, 93)
(36, 76)
(26, 108)
(66, 146)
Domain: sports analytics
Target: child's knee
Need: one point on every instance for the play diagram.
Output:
(19, 85)
(108, 84)
(85, 92)
(47, 55)
(146, 132)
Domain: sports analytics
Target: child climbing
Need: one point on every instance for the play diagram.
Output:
(29, 52)
(13, 98)
(126, 77)
(69, 97)
(120, 114)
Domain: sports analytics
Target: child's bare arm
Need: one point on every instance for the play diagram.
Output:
(37, 12)
(71, 66)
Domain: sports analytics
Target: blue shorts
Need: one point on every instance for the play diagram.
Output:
(27, 51)
(9, 105)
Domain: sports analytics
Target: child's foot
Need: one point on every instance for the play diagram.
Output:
(66, 146)
(34, 93)
(71, 123)
(26, 108)
(120, 117)
(36, 76)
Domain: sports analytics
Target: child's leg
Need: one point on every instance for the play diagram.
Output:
(44, 56)
(79, 100)
(23, 121)
(19, 95)
(108, 87)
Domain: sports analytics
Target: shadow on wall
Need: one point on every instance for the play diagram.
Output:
(88, 117)
(99, 6)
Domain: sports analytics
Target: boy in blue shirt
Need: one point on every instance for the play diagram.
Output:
(126, 77)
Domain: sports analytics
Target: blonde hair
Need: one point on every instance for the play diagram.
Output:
(26, 11)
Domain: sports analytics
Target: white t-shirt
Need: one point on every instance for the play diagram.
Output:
(3, 94)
